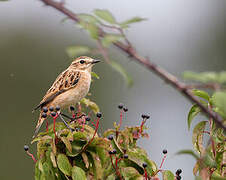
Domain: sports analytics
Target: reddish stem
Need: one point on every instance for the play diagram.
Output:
(213, 146)
(112, 162)
(207, 132)
(141, 127)
(32, 156)
(121, 116)
(163, 159)
(47, 125)
(83, 124)
(145, 174)
(96, 128)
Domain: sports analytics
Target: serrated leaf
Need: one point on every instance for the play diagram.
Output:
(74, 51)
(108, 39)
(167, 175)
(93, 74)
(78, 173)
(122, 71)
(126, 23)
(192, 113)
(92, 105)
(105, 15)
(197, 136)
(219, 100)
(188, 152)
(201, 94)
(64, 164)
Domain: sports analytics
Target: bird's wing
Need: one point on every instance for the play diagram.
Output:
(65, 81)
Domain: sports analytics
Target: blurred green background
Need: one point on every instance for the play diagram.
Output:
(179, 35)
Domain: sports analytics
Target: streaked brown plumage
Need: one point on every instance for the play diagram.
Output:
(69, 87)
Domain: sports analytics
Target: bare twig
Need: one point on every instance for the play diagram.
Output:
(166, 76)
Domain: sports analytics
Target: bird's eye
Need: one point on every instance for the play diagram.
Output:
(82, 62)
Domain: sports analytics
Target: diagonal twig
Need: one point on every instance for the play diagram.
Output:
(166, 76)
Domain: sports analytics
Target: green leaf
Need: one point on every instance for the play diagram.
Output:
(217, 177)
(105, 15)
(78, 173)
(167, 175)
(67, 143)
(92, 105)
(201, 94)
(108, 39)
(93, 74)
(87, 18)
(188, 152)
(74, 51)
(222, 77)
(192, 113)
(198, 178)
(64, 164)
(91, 28)
(125, 24)
(130, 173)
(197, 136)
(204, 77)
(53, 159)
(122, 71)
(219, 100)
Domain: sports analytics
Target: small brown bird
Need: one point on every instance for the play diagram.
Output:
(69, 87)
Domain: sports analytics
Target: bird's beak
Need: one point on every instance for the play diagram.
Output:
(95, 61)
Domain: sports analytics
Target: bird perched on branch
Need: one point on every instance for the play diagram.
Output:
(69, 87)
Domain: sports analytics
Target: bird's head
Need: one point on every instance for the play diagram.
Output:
(84, 63)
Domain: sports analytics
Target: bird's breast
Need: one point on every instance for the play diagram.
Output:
(75, 94)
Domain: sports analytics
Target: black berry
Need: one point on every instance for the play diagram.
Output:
(143, 116)
(125, 156)
(110, 137)
(26, 148)
(120, 106)
(178, 172)
(114, 151)
(76, 129)
(72, 108)
(45, 109)
(53, 114)
(164, 151)
(110, 152)
(51, 108)
(44, 115)
(57, 108)
(125, 109)
(87, 118)
(144, 165)
(147, 116)
(178, 177)
(99, 114)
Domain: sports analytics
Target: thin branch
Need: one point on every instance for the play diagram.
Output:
(166, 76)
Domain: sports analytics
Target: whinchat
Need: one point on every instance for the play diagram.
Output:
(69, 87)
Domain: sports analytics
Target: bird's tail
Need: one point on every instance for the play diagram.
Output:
(39, 124)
